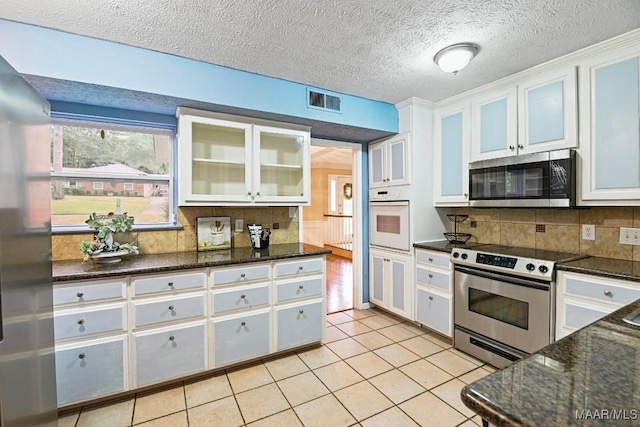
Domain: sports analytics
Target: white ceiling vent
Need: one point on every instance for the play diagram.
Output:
(323, 101)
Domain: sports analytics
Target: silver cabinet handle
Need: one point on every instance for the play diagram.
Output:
(171, 307)
(608, 293)
(242, 275)
(81, 322)
(520, 146)
(80, 294)
(511, 147)
(431, 276)
(171, 338)
(258, 193)
(81, 356)
(170, 284)
(301, 287)
(301, 312)
(431, 298)
(466, 194)
(301, 268)
(243, 324)
(430, 259)
(249, 193)
(242, 296)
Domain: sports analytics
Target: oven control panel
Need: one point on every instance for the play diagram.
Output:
(519, 266)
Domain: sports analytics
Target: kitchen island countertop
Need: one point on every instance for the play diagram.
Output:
(591, 377)
(158, 263)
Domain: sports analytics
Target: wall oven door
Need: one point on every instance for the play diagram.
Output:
(389, 225)
(510, 310)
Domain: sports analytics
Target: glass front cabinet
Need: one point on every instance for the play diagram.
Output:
(610, 128)
(229, 162)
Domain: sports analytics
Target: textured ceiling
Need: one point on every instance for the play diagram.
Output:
(377, 49)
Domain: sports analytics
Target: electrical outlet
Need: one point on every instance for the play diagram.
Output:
(588, 232)
(630, 236)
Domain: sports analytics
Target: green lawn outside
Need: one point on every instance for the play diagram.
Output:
(100, 204)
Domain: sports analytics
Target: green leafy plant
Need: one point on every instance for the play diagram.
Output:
(105, 227)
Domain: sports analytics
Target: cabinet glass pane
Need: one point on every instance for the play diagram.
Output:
(398, 285)
(616, 121)
(452, 155)
(397, 160)
(378, 279)
(493, 126)
(218, 161)
(281, 162)
(376, 164)
(545, 113)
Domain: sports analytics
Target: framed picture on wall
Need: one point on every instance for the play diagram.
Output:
(214, 233)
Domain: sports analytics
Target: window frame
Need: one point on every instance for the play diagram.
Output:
(71, 119)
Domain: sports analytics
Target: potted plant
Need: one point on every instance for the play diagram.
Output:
(103, 246)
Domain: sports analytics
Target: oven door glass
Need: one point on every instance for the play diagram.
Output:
(503, 308)
(527, 181)
(487, 183)
(389, 224)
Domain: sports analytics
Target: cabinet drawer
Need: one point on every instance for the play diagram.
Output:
(80, 323)
(90, 370)
(606, 291)
(240, 275)
(240, 297)
(81, 292)
(298, 325)
(169, 353)
(299, 267)
(170, 282)
(241, 337)
(159, 310)
(286, 291)
(434, 311)
(433, 258)
(578, 315)
(434, 278)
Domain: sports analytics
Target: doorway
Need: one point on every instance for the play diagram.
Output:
(333, 218)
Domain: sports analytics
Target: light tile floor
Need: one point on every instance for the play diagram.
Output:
(373, 369)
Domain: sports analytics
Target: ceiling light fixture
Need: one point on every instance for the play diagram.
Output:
(454, 58)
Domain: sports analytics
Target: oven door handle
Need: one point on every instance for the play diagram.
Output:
(504, 278)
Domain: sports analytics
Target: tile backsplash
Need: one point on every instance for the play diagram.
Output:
(67, 246)
(517, 227)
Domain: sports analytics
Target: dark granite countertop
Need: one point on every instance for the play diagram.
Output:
(444, 245)
(605, 267)
(138, 264)
(594, 370)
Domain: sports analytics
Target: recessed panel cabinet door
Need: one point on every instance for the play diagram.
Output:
(452, 147)
(610, 128)
(241, 337)
(494, 125)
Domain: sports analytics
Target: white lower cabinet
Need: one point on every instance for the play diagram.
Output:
(391, 283)
(299, 324)
(165, 353)
(91, 369)
(240, 337)
(582, 299)
(119, 334)
(434, 291)
(434, 310)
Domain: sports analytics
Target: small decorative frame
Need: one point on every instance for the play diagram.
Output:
(347, 191)
(214, 233)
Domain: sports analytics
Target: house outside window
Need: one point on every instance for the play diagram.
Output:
(110, 167)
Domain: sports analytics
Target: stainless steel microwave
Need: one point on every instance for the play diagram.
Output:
(546, 179)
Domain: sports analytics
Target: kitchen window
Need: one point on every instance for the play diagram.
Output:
(110, 167)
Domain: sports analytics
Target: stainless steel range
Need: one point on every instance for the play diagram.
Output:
(504, 301)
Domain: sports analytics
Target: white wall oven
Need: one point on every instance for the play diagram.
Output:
(389, 219)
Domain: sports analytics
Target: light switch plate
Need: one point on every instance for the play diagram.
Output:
(239, 224)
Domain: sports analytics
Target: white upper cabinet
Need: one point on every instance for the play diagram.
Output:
(389, 162)
(610, 128)
(451, 155)
(494, 125)
(225, 162)
(547, 112)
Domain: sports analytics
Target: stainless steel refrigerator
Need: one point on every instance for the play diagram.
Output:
(27, 358)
